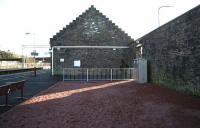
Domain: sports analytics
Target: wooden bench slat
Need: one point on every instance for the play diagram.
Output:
(11, 87)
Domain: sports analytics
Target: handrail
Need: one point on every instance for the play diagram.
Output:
(99, 74)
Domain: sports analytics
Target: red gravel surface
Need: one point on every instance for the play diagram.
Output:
(117, 104)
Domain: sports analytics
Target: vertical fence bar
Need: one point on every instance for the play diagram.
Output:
(111, 74)
(63, 74)
(87, 74)
(99, 74)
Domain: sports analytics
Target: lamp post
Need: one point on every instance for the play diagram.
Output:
(23, 57)
(34, 53)
(165, 6)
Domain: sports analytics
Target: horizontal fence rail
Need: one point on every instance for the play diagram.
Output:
(10, 71)
(87, 74)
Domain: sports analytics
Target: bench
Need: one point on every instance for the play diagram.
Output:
(11, 87)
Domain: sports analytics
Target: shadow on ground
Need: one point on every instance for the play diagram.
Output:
(119, 104)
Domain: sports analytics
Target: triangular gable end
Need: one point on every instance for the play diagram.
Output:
(83, 28)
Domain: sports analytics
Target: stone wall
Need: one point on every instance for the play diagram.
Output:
(173, 53)
(92, 28)
(91, 58)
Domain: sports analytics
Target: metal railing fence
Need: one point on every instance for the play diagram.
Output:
(87, 74)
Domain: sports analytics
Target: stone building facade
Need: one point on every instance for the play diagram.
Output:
(91, 28)
(173, 53)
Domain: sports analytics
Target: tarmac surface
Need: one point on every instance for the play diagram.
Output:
(33, 85)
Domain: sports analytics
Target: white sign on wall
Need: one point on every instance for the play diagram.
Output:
(77, 63)
(62, 60)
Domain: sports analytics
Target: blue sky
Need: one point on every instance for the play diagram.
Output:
(43, 18)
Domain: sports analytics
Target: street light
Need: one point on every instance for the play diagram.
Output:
(23, 57)
(28, 33)
(165, 6)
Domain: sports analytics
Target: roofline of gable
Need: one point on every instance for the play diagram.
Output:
(57, 35)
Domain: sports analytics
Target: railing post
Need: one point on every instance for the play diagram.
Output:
(87, 74)
(111, 74)
(63, 74)
(52, 73)
(6, 96)
(34, 70)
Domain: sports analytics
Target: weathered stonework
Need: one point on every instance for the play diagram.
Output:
(92, 28)
(173, 52)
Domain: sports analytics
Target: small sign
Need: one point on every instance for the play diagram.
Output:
(34, 53)
(77, 63)
(62, 60)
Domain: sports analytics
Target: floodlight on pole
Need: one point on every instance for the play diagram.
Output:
(165, 6)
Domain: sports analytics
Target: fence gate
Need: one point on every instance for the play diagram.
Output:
(87, 74)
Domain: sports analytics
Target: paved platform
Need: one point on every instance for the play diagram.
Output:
(105, 104)
(33, 85)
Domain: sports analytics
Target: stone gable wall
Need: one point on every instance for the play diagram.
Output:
(92, 29)
(173, 53)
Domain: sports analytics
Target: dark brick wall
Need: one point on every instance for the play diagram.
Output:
(173, 53)
(92, 28)
(91, 58)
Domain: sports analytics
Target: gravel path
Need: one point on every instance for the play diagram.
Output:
(118, 104)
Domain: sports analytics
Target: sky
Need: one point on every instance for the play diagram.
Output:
(43, 18)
